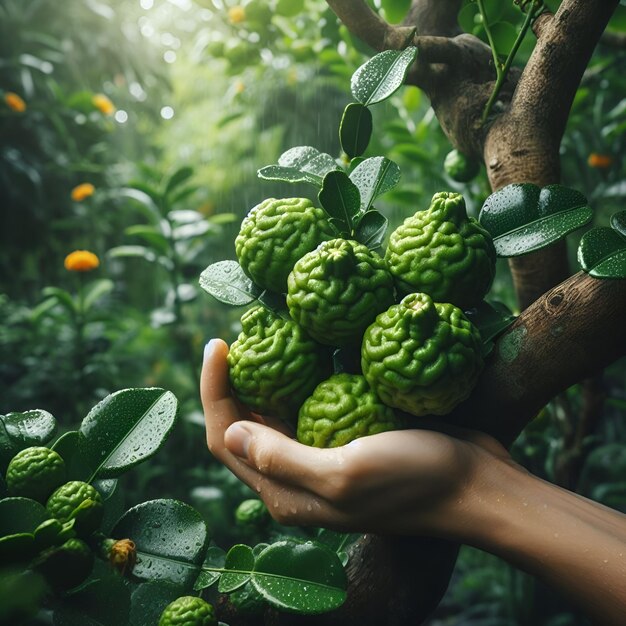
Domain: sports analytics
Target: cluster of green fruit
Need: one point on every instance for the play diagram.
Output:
(399, 315)
(59, 547)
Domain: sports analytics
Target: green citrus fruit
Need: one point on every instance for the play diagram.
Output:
(253, 513)
(460, 167)
(188, 611)
(67, 565)
(443, 253)
(336, 291)
(274, 364)
(422, 357)
(275, 234)
(341, 409)
(80, 501)
(35, 473)
(247, 600)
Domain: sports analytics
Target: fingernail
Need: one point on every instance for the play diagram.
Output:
(207, 349)
(237, 439)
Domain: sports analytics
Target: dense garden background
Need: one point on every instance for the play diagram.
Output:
(134, 130)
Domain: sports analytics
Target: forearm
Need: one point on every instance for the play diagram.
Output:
(571, 543)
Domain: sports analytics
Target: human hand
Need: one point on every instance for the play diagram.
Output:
(401, 482)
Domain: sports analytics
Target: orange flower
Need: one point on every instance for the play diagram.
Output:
(14, 102)
(599, 161)
(103, 104)
(236, 15)
(82, 191)
(81, 261)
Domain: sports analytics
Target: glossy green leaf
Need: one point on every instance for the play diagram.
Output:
(140, 252)
(101, 602)
(70, 446)
(179, 177)
(355, 129)
(62, 297)
(523, 218)
(30, 428)
(148, 601)
(126, 428)
(340, 198)
(96, 290)
(371, 230)
(20, 515)
(602, 253)
(300, 577)
(374, 177)
(300, 164)
(618, 222)
(238, 565)
(170, 537)
(395, 10)
(491, 318)
(226, 282)
(211, 568)
(381, 76)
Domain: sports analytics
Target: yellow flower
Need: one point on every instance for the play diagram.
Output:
(14, 102)
(103, 104)
(81, 261)
(240, 87)
(82, 191)
(236, 15)
(599, 161)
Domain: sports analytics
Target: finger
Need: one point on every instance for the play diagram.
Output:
(283, 459)
(214, 384)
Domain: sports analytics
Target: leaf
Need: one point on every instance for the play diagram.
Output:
(62, 297)
(395, 10)
(374, 177)
(133, 251)
(96, 290)
(178, 178)
(126, 428)
(381, 76)
(149, 600)
(491, 318)
(371, 230)
(340, 198)
(523, 218)
(30, 428)
(241, 559)
(100, 602)
(151, 235)
(304, 577)
(602, 253)
(188, 231)
(20, 515)
(300, 164)
(146, 198)
(170, 537)
(618, 222)
(226, 282)
(355, 129)
(214, 560)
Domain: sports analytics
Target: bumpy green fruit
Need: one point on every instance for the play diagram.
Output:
(422, 357)
(336, 291)
(275, 234)
(341, 409)
(460, 167)
(188, 611)
(80, 500)
(274, 364)
(67, 565)
(443, 253)
(35, 473)
(252, 512)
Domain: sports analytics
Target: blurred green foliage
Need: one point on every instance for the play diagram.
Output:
(203, 93)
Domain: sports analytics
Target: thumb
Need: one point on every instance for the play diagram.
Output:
(279, 457)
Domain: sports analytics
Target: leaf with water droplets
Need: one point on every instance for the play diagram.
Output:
(340, 198)
(374, 177)
(171, 538)
(301, 577)
(381, 76)
(241, 559)
(126, 428)
(602, 253)
(618, 222)
(355, 129)
(300, 164)
(523, 218)
(30, 428)
(211, 568)
(371, 229)
(226, 282)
